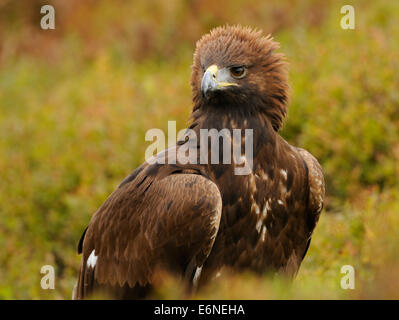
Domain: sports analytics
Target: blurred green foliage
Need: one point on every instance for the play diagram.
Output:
(75, 104)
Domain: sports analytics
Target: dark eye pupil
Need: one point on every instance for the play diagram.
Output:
(237, 71)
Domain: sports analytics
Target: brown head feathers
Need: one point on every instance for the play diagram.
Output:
(265, 87)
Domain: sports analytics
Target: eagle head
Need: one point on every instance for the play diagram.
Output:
(236, 68)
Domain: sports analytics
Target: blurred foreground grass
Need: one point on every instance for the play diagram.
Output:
(75, 104)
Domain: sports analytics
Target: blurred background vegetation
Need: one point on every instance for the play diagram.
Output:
(75, 103)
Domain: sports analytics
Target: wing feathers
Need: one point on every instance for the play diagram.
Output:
(316, 181)
(150, 223)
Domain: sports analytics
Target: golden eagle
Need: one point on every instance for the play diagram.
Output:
(192, 219)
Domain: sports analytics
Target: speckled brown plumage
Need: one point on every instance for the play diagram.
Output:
(194, 219)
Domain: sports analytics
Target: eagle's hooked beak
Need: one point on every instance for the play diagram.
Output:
(215, 79)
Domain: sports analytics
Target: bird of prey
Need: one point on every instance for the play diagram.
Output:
(194, 218)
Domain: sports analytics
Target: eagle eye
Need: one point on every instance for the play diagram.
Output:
(238, 72)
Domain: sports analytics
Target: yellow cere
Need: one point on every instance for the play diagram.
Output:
(213, 69)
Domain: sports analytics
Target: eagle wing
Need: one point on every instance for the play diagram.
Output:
(153, 220)
(316, 182)
(316, 191)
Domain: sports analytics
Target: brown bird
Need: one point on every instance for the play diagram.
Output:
(192, 219)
